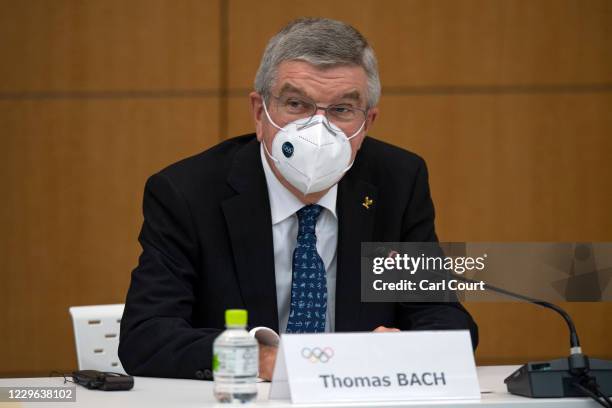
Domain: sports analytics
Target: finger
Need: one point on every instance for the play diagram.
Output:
(383, 329)
(267, 358)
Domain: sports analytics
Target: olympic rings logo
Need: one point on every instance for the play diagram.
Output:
(317, 354)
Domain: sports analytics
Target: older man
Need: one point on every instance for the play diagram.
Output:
(266, 220)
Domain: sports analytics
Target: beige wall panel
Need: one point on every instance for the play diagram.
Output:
(511, 167)
(109, 45)
(73, 174)
(448, 42)
(240, 119)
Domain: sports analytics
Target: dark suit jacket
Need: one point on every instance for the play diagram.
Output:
(207, 247)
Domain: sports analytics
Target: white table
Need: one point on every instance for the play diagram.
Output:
(171, 393)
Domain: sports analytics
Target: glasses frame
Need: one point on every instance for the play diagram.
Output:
(325, 109)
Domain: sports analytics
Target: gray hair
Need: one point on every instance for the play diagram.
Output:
(323, 43)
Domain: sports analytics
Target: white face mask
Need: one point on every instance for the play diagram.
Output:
(312, 157)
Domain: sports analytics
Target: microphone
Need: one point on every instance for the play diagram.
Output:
(574, 376)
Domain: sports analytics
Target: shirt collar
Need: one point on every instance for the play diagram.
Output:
(283, 204)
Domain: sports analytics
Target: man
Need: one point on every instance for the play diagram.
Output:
(273, 222)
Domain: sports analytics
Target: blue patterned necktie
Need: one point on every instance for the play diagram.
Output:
(309, 284)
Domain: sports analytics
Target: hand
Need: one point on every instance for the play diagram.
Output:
(267, 357)
(383, 329)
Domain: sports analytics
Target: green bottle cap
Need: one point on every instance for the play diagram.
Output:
(235, 317)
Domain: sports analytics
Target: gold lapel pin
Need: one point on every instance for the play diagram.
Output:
(367, 202)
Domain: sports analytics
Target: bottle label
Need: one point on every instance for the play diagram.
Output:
(235, 361)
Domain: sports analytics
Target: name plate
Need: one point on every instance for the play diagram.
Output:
(349, 367)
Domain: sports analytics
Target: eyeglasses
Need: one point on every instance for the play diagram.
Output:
(288, 108)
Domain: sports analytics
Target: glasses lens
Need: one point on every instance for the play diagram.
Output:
(295, 109)
(298, 110)
(346, 117)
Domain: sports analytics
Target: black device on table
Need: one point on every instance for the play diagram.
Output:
(106, 381)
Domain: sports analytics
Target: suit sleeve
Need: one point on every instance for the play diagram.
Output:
(418, 226)
(157, 337)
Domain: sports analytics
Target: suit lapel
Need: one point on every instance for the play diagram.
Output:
(355, 225)
(249, 223)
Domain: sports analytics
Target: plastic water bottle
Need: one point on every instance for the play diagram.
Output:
(235, 360)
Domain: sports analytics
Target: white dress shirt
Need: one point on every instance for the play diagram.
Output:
(283, 207)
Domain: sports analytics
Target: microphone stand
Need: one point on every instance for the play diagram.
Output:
(574, 376)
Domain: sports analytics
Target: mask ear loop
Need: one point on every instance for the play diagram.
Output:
(269, 118)
(274, 159)
(357, 132)
(348, 139)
